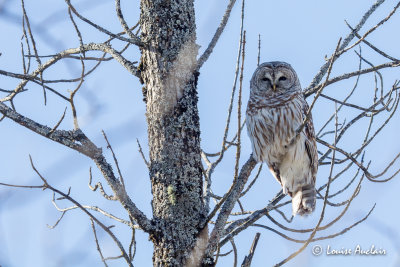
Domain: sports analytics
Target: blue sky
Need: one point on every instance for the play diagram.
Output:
(299, 32)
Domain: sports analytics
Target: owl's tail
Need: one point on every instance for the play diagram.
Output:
(303, 201)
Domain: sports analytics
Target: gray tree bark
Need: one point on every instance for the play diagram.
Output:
(168, 70)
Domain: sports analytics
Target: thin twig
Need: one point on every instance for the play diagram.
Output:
(100, 186)
(308, 114)
(239, 109)
(71, 98)
(97, 243)
(76, 29)
(58, 123)
(247, 259)
(345, 43)
(87, 47)
(252, 182)
(142, 154)
(371, 45)
(135, 41)
(115, 159)
(204, 57)
(132, 245)
(122, 20)
(26, 19)
(212, 167)
(229, 204)
(235, 253)
(106, 229)
(259, 50)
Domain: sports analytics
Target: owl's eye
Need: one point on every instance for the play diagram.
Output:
(265, 79)
(283, 78)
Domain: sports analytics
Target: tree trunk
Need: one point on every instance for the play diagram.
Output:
(167, 68)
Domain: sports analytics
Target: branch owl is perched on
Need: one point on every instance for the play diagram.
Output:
(276, 108)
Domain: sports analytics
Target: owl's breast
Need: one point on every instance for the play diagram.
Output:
(271, 128)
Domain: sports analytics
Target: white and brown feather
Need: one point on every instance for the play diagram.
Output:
(272, 118)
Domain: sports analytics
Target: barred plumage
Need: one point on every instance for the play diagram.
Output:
(276, 108)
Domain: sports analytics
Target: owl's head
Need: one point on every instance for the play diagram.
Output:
(274, 78)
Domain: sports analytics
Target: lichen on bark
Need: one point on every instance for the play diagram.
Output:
(168, 66)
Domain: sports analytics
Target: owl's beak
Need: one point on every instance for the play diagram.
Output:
(274, 86)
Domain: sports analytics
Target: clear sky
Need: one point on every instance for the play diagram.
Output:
(298, 32)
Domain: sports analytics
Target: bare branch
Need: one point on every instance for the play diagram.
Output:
(25, 18)
(59, 219)
(71, 98)
(66, 196)
(87, 47)
(123, 22)
(27, 66)
(97, 242)
(371, 30)
(322, 237)
(365, 114)
(240, 225)
(234, 252)
(326, 226)
(22, 186)
(78, 141)
(239, 110)
(345, 43)
(372, 46)
(347, 104)
(225, 254)
(136, 40)
(142, 154)
(58, 123)
(97, 209)
(228, 144)
(132, 245)
(211, 168)
(247, 260)
(76, 29)
(252, 182)
(229, 204)
(100, 186)
(204, 57)
(370, 176)
(353, 74)
(115, 159)
(259, 50)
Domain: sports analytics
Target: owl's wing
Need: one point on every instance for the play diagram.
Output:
(310, 143)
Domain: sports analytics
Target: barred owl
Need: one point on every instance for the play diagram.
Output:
(276, 108)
